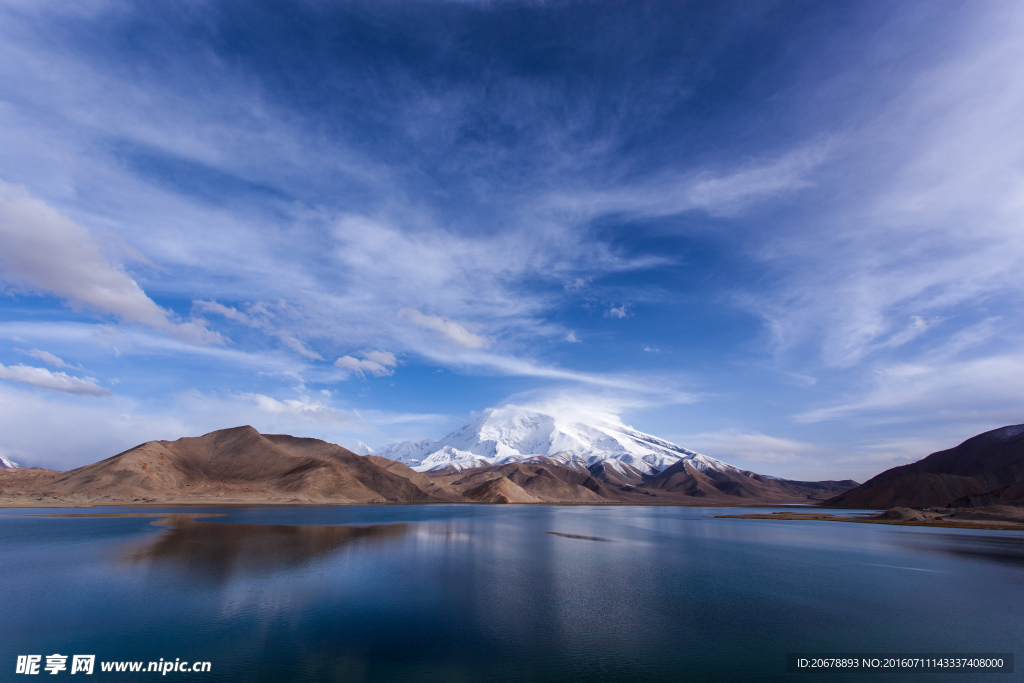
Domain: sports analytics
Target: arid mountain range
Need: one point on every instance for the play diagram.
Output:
(242, 465)
(987, 469)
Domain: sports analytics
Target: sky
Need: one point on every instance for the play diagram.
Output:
(789, 235)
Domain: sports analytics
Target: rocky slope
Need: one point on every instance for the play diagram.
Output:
(682, 484)
(987, 469)
(242, 465)
(590, 459)
(238, 464)
(520, 434)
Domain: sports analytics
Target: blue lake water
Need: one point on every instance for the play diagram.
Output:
(499, 593)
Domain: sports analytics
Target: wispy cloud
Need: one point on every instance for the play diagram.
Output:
(719, 192)
(753, 447)
(48, 358)
(929, 220)
(620, 311)
(47, 252)
(663, 388)
(730, 193)
(376, 363)
(469, 211)
(55, 381)
(449, 329)
(990, 388)
(260, 316)
(303, 408)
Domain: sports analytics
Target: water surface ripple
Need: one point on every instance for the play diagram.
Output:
(498, 593)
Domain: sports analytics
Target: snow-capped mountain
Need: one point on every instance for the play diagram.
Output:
(517, 434)
(359, 448)
(8, 464)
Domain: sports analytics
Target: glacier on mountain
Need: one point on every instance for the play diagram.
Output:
(517, 434)
(8, 464)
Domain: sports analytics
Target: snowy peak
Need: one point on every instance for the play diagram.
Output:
(517, 434)
(8, 464)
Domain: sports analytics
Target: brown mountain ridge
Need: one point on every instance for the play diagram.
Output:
(987, 469)
(241, 465)
(238, 464)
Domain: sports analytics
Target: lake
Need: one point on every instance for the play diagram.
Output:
(498, 593)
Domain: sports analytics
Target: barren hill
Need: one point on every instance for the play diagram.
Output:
(242, 465)
(735, 485)
(984, 470)
(238, 464)
(548, 480)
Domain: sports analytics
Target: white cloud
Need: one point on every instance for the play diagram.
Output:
(86, 431)
(621, 311)
(358, 447)
(56, 381)
(663, 386)
(259, 317)
(726, 192)
(449, 329)
(912, 219)
(132, 341)
(572, 338)
(929, 225)
(296, 345)
(385, 358)
(227, 312)
(303, 408)
(753, 447)
(47, 251)
(376, 363)
(603, 403)
(570, 407)
(47, 357)
(480, 287)
(988, 389)
(576, 284)
(915, 327)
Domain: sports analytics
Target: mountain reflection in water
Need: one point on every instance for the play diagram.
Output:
(386, 593)
(1003, 548)
(218, 552)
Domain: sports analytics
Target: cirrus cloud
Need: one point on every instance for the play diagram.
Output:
(376, 363)
(303, 408)
(449, 329)
(45, 250)
(55, 381)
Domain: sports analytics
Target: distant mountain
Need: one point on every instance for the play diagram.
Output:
(238, 464)
(6, 464)
(543, 479)
(546, 458)
(515, 434)
(241, 465)
(984, 470)
(689, 478)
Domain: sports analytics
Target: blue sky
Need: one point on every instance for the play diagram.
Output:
(786, 234)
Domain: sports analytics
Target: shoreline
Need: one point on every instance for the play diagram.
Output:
(994, 525)
(273, 503)
(874, 517)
